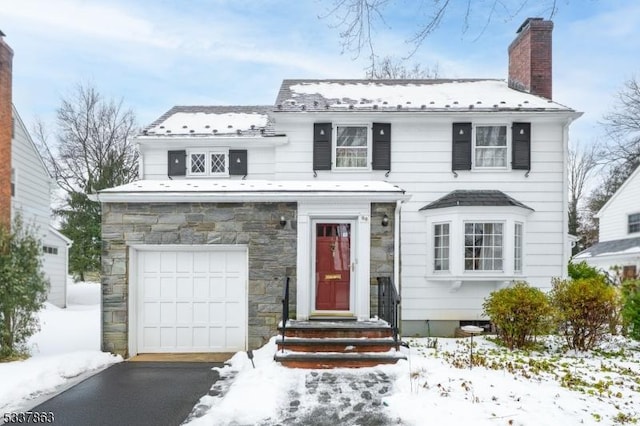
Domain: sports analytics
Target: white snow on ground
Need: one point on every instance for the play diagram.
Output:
(67, 346)
(436, 386)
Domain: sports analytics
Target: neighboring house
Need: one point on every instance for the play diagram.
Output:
(618, 249)
(450, 188)
(29, 186)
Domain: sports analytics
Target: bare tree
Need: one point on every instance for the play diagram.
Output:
(90, 150)
(623, 124)
(358, 20)
(390, 68)
(92, 134)
(583, 161)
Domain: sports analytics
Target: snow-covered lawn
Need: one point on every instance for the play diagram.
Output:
(436, 386)
(67, 346)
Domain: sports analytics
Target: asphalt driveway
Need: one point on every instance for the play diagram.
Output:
(134, 393)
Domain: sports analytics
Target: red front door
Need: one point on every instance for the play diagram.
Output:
(333, 266)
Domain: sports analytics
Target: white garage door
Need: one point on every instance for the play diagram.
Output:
(192, 301)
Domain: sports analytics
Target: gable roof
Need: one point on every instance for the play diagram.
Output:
(623, 246)
(634, 175)
(408, 95)
(468, 198)
(217, 120)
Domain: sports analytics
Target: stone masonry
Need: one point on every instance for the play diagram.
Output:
(272, 254)
(381, 248)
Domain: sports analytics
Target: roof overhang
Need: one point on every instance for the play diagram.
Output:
(234, 191)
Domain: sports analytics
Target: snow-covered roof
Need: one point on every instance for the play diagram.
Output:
(622, 247)
(408, 95)
(227, 120)
(211, 190)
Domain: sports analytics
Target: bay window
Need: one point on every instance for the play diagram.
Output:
(441, 247)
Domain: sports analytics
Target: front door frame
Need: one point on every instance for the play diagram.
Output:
(326, 210)
(352, 221)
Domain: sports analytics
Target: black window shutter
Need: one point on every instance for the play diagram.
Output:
(521, 146)
(177, 163)
(381, 146)
(461, 147)
(322, 146)
(238, 162)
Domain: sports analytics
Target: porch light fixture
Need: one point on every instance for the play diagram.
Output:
(283, 221)
(385, 220)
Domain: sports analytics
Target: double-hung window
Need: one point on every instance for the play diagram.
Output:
(483, 246)
(208, 163)
(441, 247)
(351, 147)
(490, 147)
(634, 223)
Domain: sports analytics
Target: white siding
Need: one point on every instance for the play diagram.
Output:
(260, 162)
(614, 217)
(33, 184)
(421, 165)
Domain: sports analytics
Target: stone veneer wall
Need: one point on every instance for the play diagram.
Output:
(381, 248)
(272, 254)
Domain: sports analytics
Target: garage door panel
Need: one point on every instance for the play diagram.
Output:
(167, 337)
(151, 313)
(168, 261)
(200, 312)
(192, 301)
(184, 313)
(184, 288)
(184, 262)
(151, 288)
(234, 288)
(200, 262)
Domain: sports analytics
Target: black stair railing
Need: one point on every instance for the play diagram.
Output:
(389, 306)
(285, 309)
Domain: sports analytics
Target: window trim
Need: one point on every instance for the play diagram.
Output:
(207, 162)
(507, 148)
(635, 224)
(334, 147)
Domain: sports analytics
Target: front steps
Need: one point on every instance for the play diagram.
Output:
(335, 344)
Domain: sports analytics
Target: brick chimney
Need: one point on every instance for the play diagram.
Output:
(530, 58)
(6, 131)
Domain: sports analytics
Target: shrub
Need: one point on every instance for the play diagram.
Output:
(584, 308)
(519, 313)
(23, 287)
(582, 270)
(631, 307)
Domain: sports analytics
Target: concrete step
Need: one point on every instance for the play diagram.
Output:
(336, 360)
(337, 329)
(346, 345)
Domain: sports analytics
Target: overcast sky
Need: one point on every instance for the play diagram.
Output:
(158, 53)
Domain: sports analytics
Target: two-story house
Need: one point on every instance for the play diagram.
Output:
(26, 185)
(449, 188)
(618, 249)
